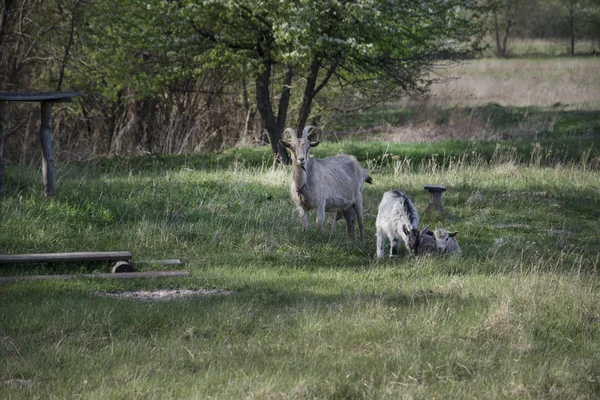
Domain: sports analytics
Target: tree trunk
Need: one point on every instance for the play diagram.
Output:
(311, 89)
(265, 108)
(309, 93)
(2, 179)
(571, 22)
(138, 134)
(499, 52)
(284, 100)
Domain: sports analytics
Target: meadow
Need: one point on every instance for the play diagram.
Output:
(312, 315)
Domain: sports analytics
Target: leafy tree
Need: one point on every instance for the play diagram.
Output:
(375, 46)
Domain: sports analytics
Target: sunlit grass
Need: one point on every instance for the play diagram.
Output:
(312, 315)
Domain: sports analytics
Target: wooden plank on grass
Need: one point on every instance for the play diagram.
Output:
(122, 275)
(65, 257)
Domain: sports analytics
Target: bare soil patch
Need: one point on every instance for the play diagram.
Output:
(155, 295)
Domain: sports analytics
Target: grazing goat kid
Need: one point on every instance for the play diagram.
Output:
(397, 219)
(446, 242)
(329, 184)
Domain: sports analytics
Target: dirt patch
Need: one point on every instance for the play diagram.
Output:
(154, 295)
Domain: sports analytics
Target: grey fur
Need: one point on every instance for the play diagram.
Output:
(446, 242)
(427, 244)
(332, 184)
(397, 220)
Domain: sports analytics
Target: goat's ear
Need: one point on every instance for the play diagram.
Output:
(314, 144)
(452, 234)
(285, 143)
(426, 231)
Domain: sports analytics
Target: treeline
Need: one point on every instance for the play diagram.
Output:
(571, 20)
(180, 76)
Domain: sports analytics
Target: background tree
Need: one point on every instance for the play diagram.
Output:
(578, 16)
(506, 17)
(375, 46)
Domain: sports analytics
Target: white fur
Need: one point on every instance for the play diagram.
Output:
(326, 185)
(446, 242)
(397, 220)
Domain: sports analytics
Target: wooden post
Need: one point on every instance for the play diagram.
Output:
(435, 195)
(2, 179)
(47, 157)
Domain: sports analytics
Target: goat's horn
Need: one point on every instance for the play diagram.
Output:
(291, 131)
(306, 130)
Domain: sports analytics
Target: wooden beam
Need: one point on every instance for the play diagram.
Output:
(39, 96)
(46, 140)
(64, 257)
(122, 275)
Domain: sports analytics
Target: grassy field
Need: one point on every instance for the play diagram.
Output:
(312, 315)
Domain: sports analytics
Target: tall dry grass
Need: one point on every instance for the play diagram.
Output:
(571, 82)
(489, 99)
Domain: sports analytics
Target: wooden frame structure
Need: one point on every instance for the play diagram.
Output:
(46, 100)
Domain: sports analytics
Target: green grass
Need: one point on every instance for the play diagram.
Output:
(313, 315)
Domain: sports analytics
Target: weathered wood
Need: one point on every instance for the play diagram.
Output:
(435, 195)
(59, 97)
(175, 261)
(435, 188)
(46, 99)
(123, 275)
(64, 257)
(46, 140)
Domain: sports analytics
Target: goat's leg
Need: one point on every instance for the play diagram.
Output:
(349, 216)
(381, 239)
(359, 217)
(394, 248)
(320, 216)
(338, 216)
(304, 219)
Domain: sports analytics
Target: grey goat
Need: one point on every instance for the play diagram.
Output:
(439, 241)
(446, 242)
(332, 184)
(397, 220)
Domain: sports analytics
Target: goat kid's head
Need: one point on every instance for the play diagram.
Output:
(414, 239)
(443, 238)
(299, 147)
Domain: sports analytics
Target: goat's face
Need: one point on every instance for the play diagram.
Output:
(299, 147)
(414, 239)
(443, 239)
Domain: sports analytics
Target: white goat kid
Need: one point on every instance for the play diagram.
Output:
(446, 242)
(332, 184)
(397, 220)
